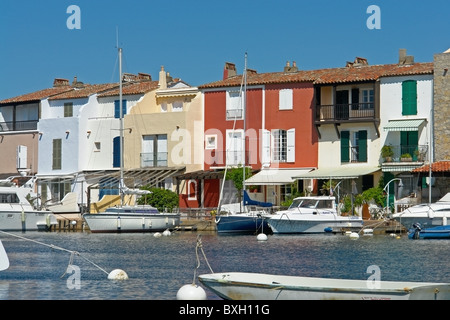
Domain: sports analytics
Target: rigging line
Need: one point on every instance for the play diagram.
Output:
(234, 128)
(197, 247)
(56, 248)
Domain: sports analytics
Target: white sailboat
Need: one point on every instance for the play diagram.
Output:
(129, 218)
(238, 217)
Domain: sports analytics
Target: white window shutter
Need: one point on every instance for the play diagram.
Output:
(22, 157)
(291, 145)
(286, 99)
(265, 157)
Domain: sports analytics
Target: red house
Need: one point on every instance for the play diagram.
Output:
(280, 140)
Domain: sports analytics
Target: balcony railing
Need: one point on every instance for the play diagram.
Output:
(152, 159)
(18, 125)
(408, 154)
(339, 112)
(229, 158)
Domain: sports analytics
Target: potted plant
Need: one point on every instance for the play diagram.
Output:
(387, 152)
(406, 157)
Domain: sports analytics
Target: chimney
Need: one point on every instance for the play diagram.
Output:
(229, 70)
(162, 79)
(404, 59)
(60, 82)
(289, 69)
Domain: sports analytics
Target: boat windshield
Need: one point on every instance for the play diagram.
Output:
(311, 203)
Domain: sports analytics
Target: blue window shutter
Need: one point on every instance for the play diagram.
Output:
(117, 108)
(116, 152)
(362, 146)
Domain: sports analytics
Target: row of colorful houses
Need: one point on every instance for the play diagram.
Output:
(297, 128)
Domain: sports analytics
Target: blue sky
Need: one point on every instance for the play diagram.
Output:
(194, 39)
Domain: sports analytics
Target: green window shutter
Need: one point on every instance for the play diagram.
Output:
(345, 146)
(57, 152)
(409, 94)
(362, 146)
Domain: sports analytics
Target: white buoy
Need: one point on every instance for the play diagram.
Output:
(191, 292)
(262, 237)
(354, 235)
(117, 274)
(368, 232)
(157, 235)
(166, 233)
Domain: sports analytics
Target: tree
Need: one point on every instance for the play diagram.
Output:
(236, 175)
(161, 199)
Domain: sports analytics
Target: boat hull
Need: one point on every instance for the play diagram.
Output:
(114, 223)
(256, 286)
(27, 220)
(440, 232)
(313, 224)
(242, 224)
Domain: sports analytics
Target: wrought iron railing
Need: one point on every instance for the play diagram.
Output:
(337, 112)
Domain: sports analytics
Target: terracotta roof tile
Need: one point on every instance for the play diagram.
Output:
(132, 88)
(37, 95)
(440, 166)
(327, 76)
(85, 91)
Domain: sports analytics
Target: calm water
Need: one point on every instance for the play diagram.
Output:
(159, 267)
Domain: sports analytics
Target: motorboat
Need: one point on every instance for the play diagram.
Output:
(314, 214)
(439, 232)
(426, 214)
(258, 286)
(17, 213)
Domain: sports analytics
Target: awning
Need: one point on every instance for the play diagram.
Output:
(275, 176)
(344, 172)
(404, 125)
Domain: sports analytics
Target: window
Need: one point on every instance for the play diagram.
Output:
(68, 110)
(154, 151)
(117, 108)
(57, 154)
(211, 142)
(235, 146)
(409, 96)
(192, 190)
(409, 143)
(279, 150)
(163, 107)
(177, 106)
(97, 146)
(354, 146)
(286, 99)
(367, 99)
(234, 105)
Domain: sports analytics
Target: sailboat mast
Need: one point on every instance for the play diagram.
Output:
(244, 113)
(121, 182)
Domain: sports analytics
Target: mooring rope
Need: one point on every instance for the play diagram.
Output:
(197, 247)
(72, 253)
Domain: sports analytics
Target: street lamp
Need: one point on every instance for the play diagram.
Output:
(387, 186)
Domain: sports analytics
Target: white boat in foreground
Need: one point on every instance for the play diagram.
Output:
(257, 286)
(316, 214)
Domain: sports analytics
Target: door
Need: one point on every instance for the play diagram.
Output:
(342, 105)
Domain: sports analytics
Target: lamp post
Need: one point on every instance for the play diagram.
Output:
(387, 186)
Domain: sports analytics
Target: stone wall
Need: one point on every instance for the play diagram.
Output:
(441, 106)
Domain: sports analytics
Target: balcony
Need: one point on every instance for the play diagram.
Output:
(405, 158)
(18, 126)
(345, 112)
(153, 159)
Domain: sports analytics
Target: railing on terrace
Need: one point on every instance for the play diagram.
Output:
(416, 153)
(229, 158)
(339, 112)
(18, 125)
(152, 159)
